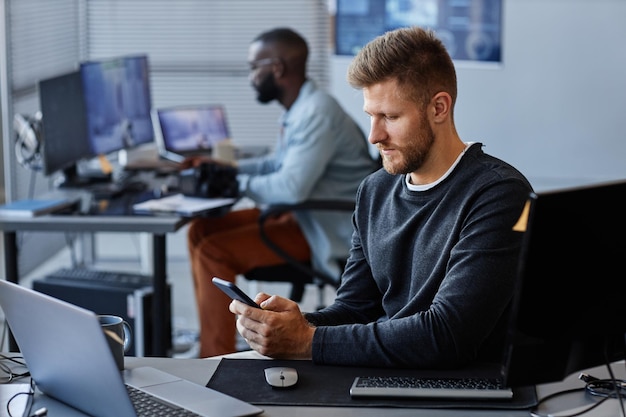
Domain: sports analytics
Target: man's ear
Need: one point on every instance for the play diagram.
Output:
(278, 68)
(441, 106)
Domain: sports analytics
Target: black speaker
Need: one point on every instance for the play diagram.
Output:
(132, 302)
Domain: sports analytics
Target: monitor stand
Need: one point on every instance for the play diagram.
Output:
(71, 178)
(100, 186)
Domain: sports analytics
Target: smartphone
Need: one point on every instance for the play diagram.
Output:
(234, 291)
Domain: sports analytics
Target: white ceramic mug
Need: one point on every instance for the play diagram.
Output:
(224, 150)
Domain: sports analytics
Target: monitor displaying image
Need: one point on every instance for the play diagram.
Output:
(470, 29)
(190, 130)
(117, 101)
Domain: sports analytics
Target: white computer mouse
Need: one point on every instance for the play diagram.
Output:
(281, 377)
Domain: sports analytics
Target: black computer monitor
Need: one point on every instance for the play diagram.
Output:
(118, 103)
(64, 129)
(570, 299)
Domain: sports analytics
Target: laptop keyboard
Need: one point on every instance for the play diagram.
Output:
(413, 387)
(149, 405)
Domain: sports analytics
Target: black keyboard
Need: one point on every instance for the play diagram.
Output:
(108, 278)
(149, 405)
(413, 387)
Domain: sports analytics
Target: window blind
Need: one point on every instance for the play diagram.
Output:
(41, 40)
(197, 50)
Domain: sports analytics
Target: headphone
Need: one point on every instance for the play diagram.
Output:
(28, 140)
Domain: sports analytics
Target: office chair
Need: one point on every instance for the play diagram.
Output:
(297, 273)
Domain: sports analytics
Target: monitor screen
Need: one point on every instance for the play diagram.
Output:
(138, 101)
(470, 29)
(64, 131)
(572, 284)
(117, 100)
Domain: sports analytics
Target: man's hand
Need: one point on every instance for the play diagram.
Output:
(196, 161)
(279, 330)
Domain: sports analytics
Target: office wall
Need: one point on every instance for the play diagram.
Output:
(556, 106)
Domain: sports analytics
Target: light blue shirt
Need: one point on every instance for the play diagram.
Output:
(322, 154)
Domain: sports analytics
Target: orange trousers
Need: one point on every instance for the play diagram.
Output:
(225, 247)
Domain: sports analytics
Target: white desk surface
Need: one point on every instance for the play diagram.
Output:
(200, 371)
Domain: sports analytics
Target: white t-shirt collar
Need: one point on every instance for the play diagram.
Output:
(424, 187)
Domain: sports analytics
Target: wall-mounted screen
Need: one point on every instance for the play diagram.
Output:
(470, 29)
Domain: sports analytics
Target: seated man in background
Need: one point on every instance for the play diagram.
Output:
(321, 154)
(434, 256)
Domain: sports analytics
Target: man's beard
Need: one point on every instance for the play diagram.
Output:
(267, 90)
(414, 155)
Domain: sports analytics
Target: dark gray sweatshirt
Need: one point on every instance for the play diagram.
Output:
(431, 273)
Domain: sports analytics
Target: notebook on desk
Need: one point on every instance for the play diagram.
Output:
(189, 130)
(70, 360)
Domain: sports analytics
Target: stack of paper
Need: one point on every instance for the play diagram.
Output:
(182, 205)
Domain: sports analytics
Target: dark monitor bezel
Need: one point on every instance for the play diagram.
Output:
(568, 306)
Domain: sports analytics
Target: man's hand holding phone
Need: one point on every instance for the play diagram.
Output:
(234, 292)
(279, 331)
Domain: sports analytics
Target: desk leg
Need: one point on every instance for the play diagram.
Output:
(11, 272)
(159, 302)
(10, 257)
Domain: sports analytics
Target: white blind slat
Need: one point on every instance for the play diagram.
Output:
(43, 40)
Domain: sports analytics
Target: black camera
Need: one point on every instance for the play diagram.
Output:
(209, 180)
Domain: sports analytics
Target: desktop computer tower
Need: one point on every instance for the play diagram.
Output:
(132, 302)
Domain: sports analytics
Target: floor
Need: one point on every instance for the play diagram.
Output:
(124, 252)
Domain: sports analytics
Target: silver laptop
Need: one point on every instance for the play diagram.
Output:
(189, 130)
(69, 359)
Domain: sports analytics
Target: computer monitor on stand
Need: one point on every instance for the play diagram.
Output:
(569, 302)
(118, 103)
(97, 111)
(64, 129)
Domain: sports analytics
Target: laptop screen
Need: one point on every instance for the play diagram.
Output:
(190, 130)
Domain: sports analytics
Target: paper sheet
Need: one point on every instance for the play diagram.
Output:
(182, 204)
(20, 404)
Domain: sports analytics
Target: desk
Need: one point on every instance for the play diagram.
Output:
(158, 226)
(200, 371)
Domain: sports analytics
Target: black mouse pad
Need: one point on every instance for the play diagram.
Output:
(323, 385)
